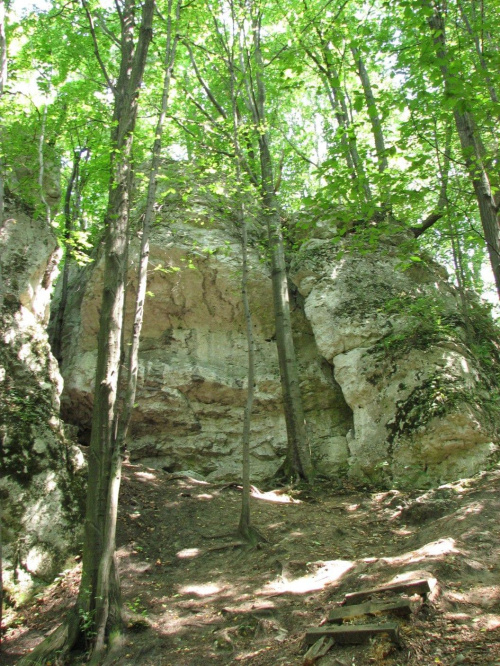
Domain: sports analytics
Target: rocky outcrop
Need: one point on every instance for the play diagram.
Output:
(40, 486)
(418, 377)
(394, 388)
(193, 358)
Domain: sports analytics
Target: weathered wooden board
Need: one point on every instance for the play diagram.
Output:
(318, 650)
(353, 633)
(401, 607)
(421, 587)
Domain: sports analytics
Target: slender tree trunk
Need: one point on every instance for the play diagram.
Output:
(298, 456)
(56, 342)
(245, 523)
(472, 148)
(371, 105)
(3, 80)
(298, 459)
(105, 458)
(132, 363)
(99, 581)
(244, 527)
(41, 163)
(482, 62)
(339, 107)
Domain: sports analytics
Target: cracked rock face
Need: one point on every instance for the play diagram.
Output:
(40, 487)
(398, 344)
(193, 357)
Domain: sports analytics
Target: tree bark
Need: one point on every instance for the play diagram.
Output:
(3, 80)
(132, 364)
(482, 62)
(99, 582)
(56, 342)
(298, 459)
(371, 104)
(472, 148)
(105, 457)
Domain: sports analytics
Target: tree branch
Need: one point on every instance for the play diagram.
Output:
(96, 47)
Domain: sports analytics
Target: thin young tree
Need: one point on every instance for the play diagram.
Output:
(470, 140)
(95, 614)
(69, 218)
(298, 459)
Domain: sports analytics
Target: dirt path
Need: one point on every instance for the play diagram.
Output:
(193, 597)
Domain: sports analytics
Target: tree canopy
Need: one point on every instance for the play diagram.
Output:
(362, 100)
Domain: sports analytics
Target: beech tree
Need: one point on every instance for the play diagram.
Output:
(96, 614)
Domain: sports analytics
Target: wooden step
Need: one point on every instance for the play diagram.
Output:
(410, 587)
(400, 607)
(353, 633)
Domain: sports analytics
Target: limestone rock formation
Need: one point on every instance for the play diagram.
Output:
(393, 389)
(193, 358)
(40, 484)
(410, 366)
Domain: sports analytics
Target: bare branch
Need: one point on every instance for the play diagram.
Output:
(96, 47)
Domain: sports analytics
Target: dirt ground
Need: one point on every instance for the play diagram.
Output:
(194, 595)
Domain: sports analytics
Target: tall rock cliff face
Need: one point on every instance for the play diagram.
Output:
(392, 390)
(193, 358)
(40, 487)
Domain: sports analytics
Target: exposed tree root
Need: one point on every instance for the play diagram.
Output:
(53, 649)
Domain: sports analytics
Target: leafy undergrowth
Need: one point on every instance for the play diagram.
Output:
(194, 596)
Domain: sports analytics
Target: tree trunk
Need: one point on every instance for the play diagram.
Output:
(482, 62)
(3, 80)
(105, 458)
(339, 107)
(371, 106)
(244, 527)
(245, 524)
(132, 360)
(298, 460)
(97, 588)
(472, 148)
(56, 342)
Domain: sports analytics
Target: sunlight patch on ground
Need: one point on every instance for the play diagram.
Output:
(328, 573)
(202, 590)
(187, 553)
(487, 622)
(251, 606)
(474, 507)
(273, 496)
(146, 476)
(204, 496)
(432, 549)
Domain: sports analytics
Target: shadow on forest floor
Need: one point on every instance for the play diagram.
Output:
(194, 597)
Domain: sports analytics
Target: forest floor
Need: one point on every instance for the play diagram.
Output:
(196, 597)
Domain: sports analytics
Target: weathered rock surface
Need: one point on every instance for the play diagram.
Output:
(420, 398)
(193, 358)
(392, 390)
(40, 486)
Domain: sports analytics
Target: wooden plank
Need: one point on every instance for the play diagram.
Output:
(421, 587)
(318, 650)
(401, 607)
(353, 633)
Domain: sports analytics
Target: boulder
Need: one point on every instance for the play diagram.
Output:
(406, 359)
(41, 470)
